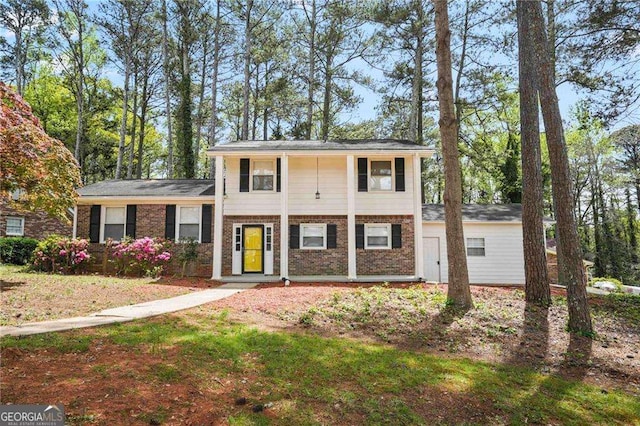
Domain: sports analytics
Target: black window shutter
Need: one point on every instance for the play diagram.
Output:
(294, 236)
(130, 228)
(363, 175)
(396, 235)
(400, 174)
(360, 235)
(278, 172)
(170, 222)
(244, 175)
(207, 211)
(332, 236)
(94, 224)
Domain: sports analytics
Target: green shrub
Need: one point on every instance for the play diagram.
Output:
(615, 282)
(17, 250)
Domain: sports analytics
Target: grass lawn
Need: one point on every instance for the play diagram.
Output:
(207, 366)
(30, 297)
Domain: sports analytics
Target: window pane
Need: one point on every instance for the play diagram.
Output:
(189, 231)
(377, 241)
(381, 183)
(475, 242)
(15, 226)
(190, 215)
(263, 167)
(114, 231)
(381, 168)
(313, 231)
(263, 183)
(475, 251)
(378, 231)
(315, 242)
(114, 215)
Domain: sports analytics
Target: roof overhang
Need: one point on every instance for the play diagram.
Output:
(115, 200)
(423, 153)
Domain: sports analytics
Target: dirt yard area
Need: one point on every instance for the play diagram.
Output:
(30, 297)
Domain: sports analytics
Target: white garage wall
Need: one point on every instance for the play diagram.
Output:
(503, 262)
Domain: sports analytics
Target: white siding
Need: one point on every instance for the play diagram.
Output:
(330, 181)
(503, 262)
(247, 203)
(387, 202)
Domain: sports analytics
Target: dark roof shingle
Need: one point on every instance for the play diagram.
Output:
(476, 213)
(149, 188)
(312, 145)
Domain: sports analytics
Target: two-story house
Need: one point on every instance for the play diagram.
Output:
(307, 210)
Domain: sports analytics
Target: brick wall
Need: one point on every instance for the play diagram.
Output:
(150, 222)
(400, 261)
(227, 239)
(36, 224)
(321, 262)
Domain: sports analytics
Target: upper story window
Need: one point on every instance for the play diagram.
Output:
(313, 236)
(263, 175)
(475, 247)
(381, 178)
(15, 226)
(114, 222)
(377, 236)
(188, 223)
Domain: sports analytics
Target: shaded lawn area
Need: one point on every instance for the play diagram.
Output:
(30, 297)
(201, 367)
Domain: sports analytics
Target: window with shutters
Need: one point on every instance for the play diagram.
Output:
(15, 226)
(188, 223)
(262, 173)
(475, 247)
(377, 236)
(381, 175)
(313, 236)
(115, 219)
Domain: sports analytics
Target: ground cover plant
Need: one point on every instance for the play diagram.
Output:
(30, 297)
(319, 355)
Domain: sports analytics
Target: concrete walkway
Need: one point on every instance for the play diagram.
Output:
(129, 313)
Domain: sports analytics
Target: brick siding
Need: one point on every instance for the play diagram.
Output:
(321, 262)
(36, 224)
(150, 222)
(400, 261)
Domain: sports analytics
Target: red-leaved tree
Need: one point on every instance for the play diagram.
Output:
(32, 161)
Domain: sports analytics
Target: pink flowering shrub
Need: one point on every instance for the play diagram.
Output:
(144, 256)
(61, 254)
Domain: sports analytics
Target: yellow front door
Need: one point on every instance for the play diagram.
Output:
(252, 258)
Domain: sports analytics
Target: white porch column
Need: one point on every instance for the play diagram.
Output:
(75, 222)
(351, 217)
(417, 215)
(284, 216)
(218, 216)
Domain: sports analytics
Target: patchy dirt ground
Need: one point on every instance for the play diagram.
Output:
(109, 383)
(499, 329)
(31, 297)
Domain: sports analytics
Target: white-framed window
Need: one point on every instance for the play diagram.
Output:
(475, 247)
(114, 222)
(313, 236)
(377, 236)
(263, 175)
(381, 175)
(188, 222)
(15, 226)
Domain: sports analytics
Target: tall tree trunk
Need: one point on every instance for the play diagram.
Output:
(537, 289)
(326, 104)
(312, 69)
(19, 63)
(200, 113)
(123, 121)
(167, 89)
(134, 123)
(213, 120)
(569, 253)
(143, 123)
(415, 119)
(247, 72)
(461, 64)
(459, 294)
(551, 35)
(631, 227)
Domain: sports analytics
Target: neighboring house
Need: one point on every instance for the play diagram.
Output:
(307, 210)
(22, 223)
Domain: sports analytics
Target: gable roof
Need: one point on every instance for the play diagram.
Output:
(320, 145)
(149, 188)
(476, 213)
